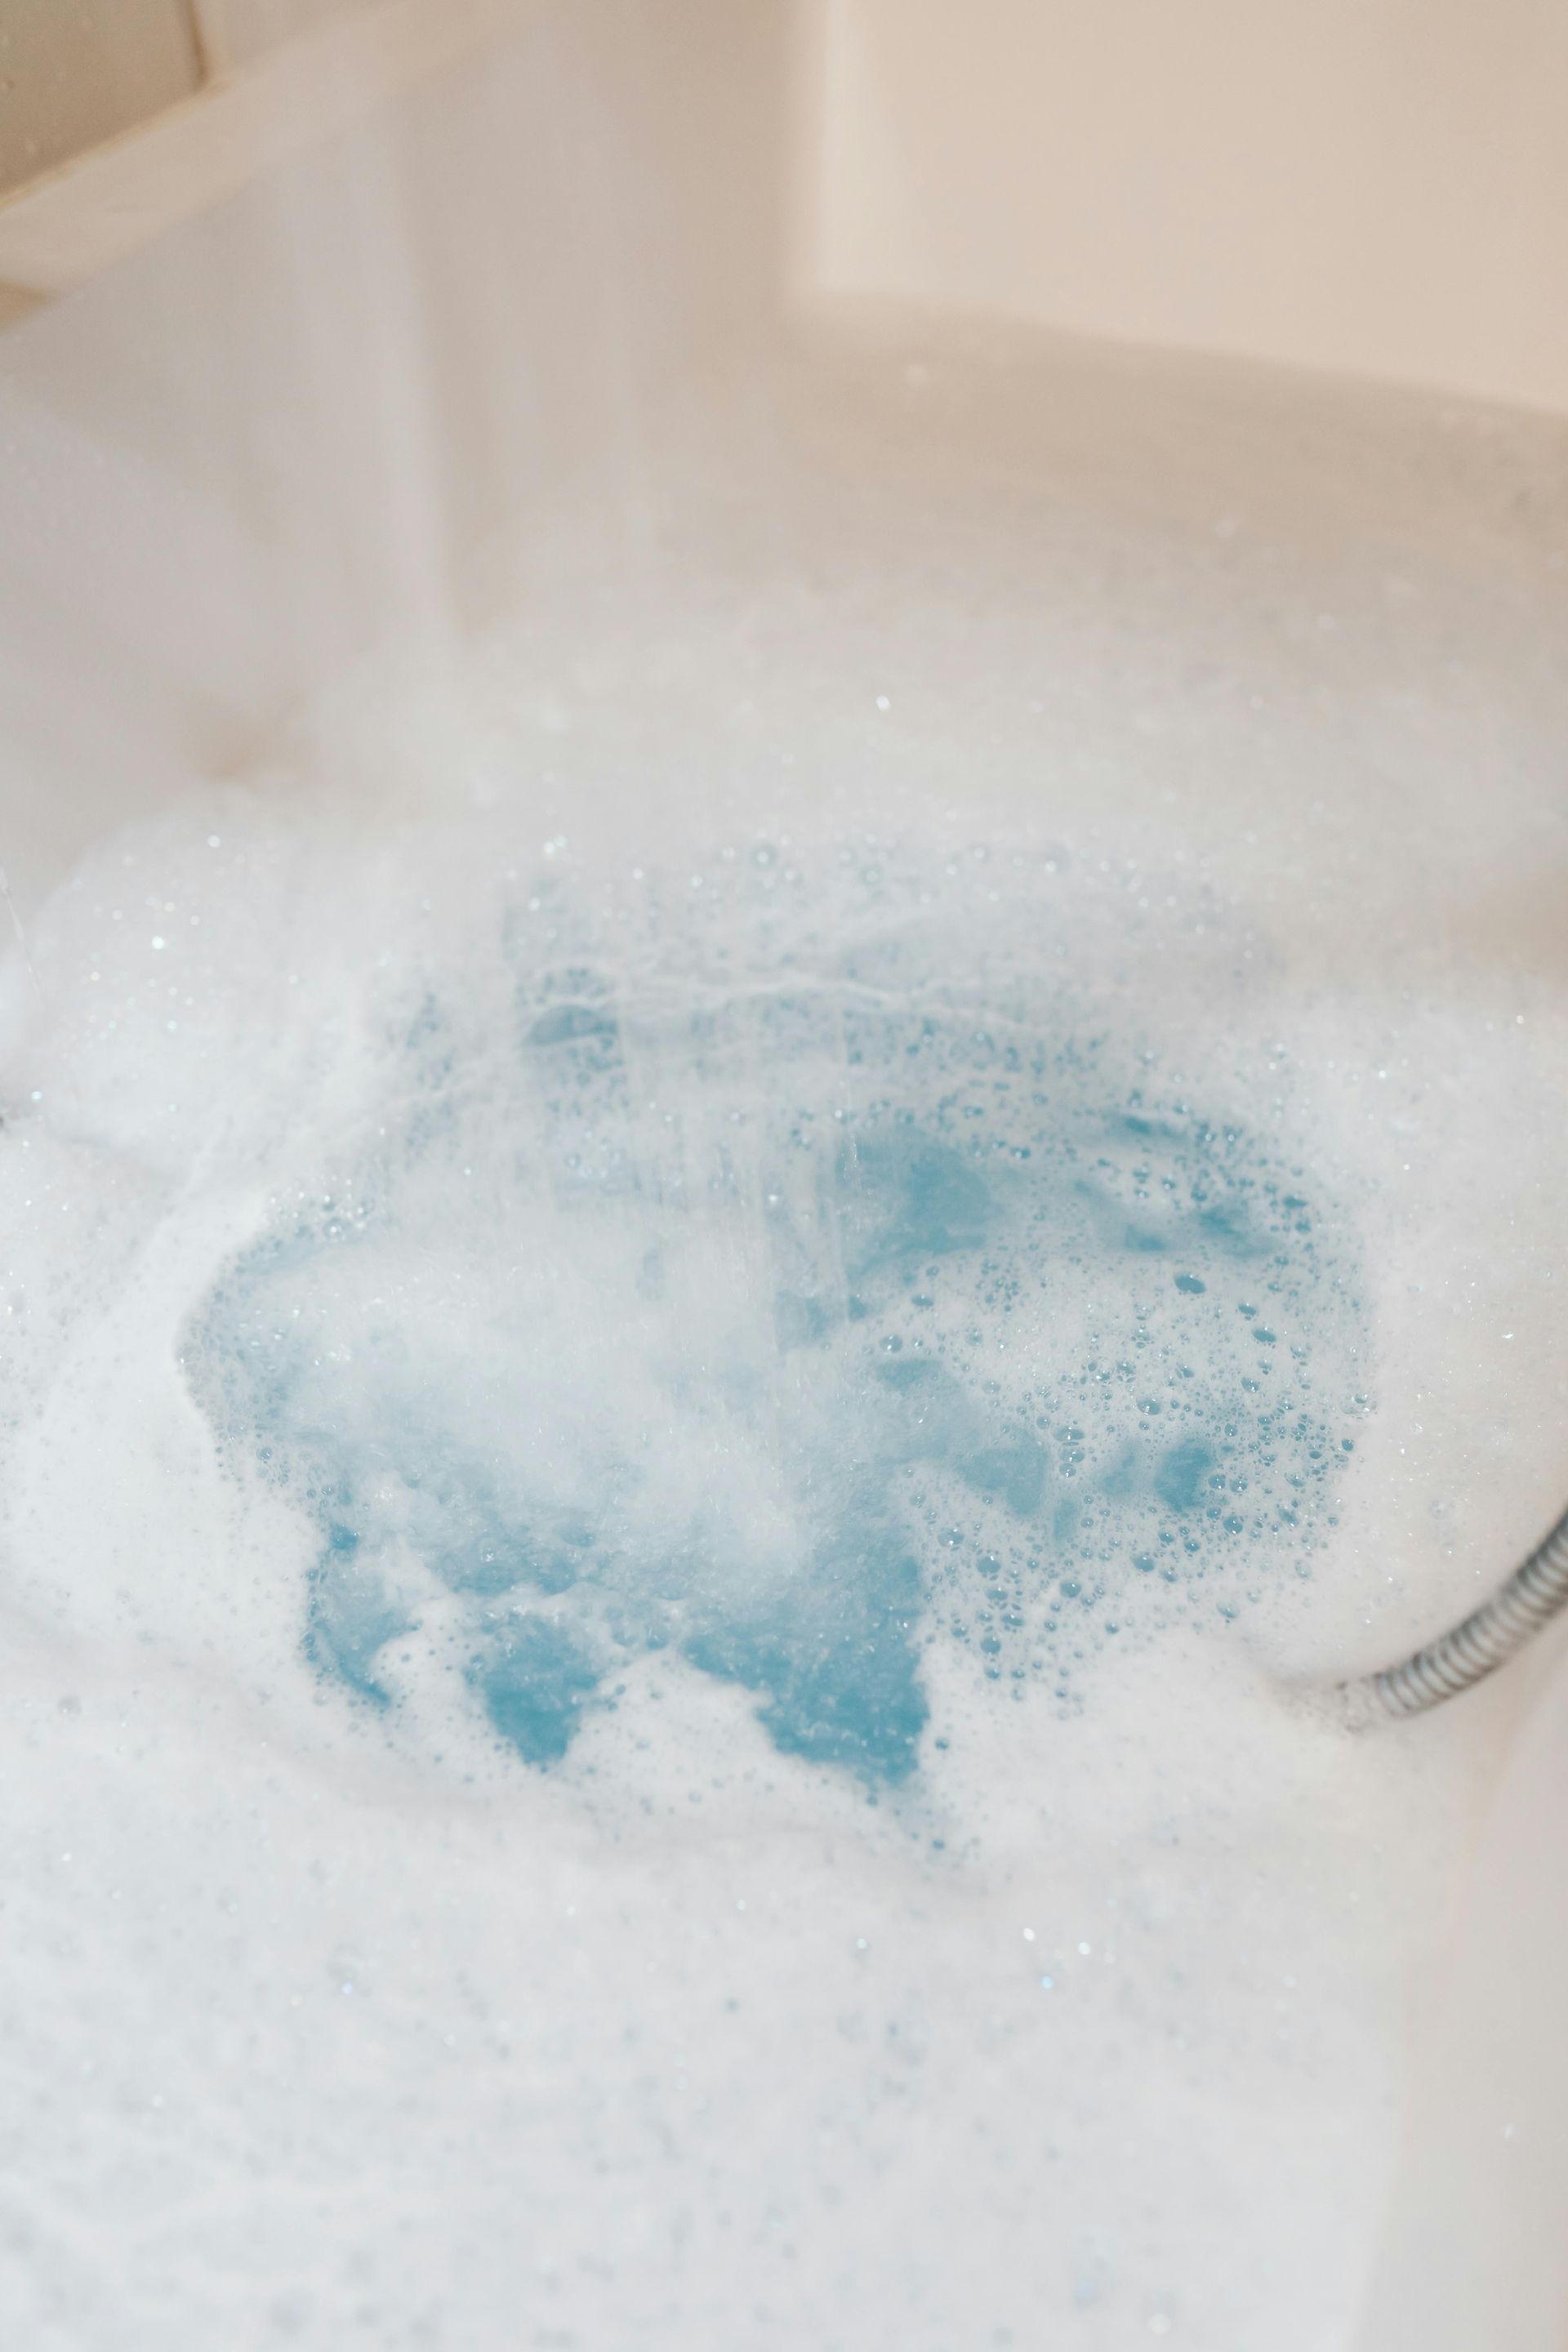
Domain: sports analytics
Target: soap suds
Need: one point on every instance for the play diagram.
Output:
(687, 1383)
(785, 1328)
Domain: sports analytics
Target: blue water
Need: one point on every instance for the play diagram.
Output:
(787, 1335)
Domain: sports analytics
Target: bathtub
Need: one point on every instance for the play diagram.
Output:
(513, 456)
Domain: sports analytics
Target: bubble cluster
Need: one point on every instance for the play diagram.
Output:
(787, 1329)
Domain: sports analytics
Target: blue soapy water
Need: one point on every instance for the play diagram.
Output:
(351, 1617)
(534, 1680)
(784, 1334)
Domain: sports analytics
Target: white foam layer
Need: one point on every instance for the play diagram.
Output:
(696, 1347)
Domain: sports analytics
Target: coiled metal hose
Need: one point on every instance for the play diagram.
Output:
(1485, 1641)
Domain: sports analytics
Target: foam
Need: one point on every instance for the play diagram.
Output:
(773, 1331)
(670, 1445)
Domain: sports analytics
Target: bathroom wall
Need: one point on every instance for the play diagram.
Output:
(1373, 185)
(235, 32)
(72, 77)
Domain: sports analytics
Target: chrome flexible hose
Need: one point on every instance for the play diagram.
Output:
(1485, 1639)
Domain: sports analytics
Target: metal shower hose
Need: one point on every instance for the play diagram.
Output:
(1485, 1639)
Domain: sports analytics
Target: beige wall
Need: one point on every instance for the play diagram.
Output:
(72, 75)
(233, 32)
(1377, 185)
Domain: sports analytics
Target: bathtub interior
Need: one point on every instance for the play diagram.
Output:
(962, 911)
